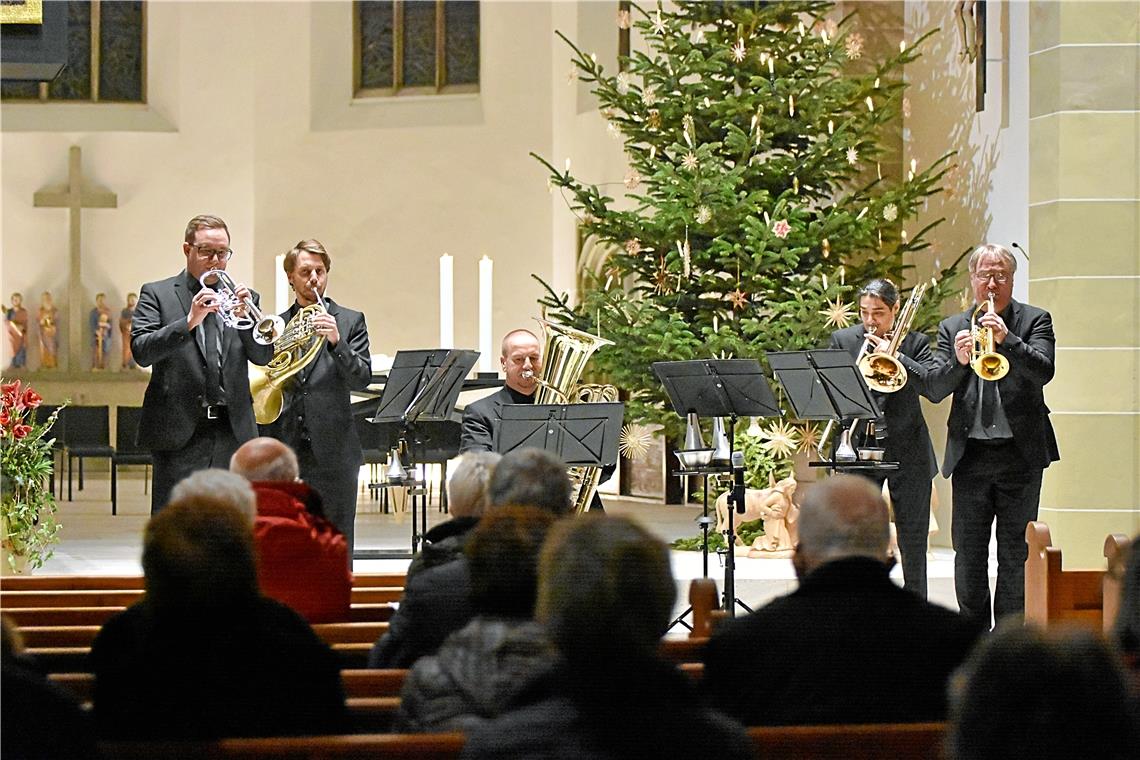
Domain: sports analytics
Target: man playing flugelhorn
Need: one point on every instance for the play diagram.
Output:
(902, 429)
(999, 438)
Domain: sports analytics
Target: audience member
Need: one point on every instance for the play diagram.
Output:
(479, 668)
(606, 593)
(848, 646)
(40, 721)
(437, 600)
(467, 500)
(302, 559)
(204, 654)
(219, 485)
(1126, 629)
(1041, 695)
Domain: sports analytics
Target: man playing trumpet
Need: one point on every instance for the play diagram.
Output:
(902, 428)
(197, 409)
(999, 437)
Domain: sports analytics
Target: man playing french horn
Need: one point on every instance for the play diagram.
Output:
(323, 357)
(901, 431)
(197, 408)
(995, 358)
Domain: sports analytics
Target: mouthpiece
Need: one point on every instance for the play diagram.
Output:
(527, 374)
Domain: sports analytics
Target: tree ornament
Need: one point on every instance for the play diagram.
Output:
(658, 23)
(854, 46)
(809, 438)
(622, 83)
(838, 313)
(852, 156)
(704, 214)
(780, 439)
(738, 298)
(633, 246)
(649, 95)
(690, 161)
(738, 51)
(653, 120)
(781, 228)
(635, 440)
(890, 212)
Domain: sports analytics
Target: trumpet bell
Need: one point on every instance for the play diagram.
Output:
(990, 366)
(883, 372)
(269, 330)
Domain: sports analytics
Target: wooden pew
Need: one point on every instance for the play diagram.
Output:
(47, 616)
(351, 747)
(899, 741)
(135, 582)
(127, 597)
(40, 637)
(1054, 595)
(1116, 547)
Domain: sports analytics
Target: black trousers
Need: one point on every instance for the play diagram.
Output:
(992, 482)
(910, 499)
(212, 445)
(338, 485)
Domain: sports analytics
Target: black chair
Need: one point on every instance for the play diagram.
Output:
(43, 412)
(127, 451)
(86, 435)
(374, 456)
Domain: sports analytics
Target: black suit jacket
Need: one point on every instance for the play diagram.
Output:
(175, 394)
(1029, 349)
(908, 439)
(848, 646)
(480, 418)
(321, 392)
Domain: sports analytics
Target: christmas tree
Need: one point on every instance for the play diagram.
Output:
(754, 206)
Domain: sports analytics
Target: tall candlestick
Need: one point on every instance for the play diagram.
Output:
(446, 302)
(486, 340)
(281, 299)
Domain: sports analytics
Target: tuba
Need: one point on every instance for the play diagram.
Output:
(883, 371)
(297, 347)
(986, 362)
(565, 353)
(267, 328)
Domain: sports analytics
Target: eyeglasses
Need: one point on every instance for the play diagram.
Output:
(1001, 278)
(209, 253)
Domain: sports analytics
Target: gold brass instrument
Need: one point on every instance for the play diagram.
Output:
(881, 370)
(267, 328)
(986, 362)
(565, 353)
(297, 347)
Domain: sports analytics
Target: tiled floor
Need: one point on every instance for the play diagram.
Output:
(96, 543)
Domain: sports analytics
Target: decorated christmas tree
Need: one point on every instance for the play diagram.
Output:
(754, 204)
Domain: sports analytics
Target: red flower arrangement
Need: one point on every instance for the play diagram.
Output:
(27, 506)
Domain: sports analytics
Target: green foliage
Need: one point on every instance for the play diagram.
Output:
(752, 138)
(27, 506)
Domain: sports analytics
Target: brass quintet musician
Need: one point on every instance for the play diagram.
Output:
(901, 431)
(995, 358)
(197, 409)
(320, 359)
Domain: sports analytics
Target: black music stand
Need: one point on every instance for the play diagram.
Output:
(826, 384)
(422, 388)
(578, 434)
(731, 388)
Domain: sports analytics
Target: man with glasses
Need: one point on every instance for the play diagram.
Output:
(999, 438)
(197, 409)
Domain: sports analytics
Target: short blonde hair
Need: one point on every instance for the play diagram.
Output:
(467, 489)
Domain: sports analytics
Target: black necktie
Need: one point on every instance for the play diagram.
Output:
(989, 402)
(213, 342)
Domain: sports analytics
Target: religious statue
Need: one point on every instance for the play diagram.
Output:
(49, 332)
(100, 322)
(125, 318)
(773, 505)
(16, 325)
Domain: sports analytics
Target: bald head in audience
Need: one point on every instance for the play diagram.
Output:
(265, 460)
(843, 516)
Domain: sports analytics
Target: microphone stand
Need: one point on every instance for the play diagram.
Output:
(736, 502)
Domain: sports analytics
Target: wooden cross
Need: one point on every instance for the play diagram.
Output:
(75, 197)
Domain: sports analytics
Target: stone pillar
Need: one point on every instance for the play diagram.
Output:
(1084, 235)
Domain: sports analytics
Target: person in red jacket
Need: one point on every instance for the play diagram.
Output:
(302, 559)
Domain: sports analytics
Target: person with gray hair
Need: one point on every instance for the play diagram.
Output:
(531, 478)
(848, 646)
(605, 595)
(303, 560)
(218, 484)
(999, 438)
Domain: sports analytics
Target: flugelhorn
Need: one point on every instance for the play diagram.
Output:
(986, 362)
(882, 370)
(267, 328)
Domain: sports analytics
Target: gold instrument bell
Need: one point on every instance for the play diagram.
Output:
(297, 347)
(883, 371)
(986, 362)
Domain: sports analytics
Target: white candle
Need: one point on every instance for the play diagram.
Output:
(446, 302)
(281, 299)
(486, 341)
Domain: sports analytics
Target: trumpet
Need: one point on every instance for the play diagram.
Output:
(883, 371)
(986, 362)
(267, 328)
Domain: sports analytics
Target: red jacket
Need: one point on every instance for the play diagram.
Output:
(302, 557)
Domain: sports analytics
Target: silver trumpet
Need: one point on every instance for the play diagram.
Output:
(267, 328)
